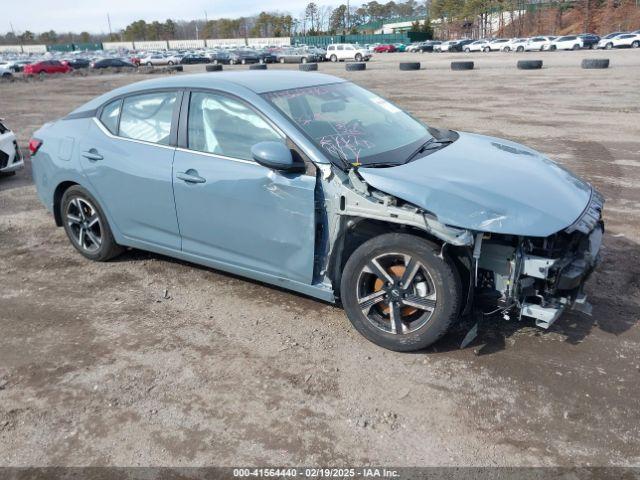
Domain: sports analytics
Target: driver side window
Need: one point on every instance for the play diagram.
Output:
(226, 126)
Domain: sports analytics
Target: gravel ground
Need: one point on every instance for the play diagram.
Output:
(147, 360)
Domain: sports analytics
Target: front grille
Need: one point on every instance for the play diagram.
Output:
(591, 216)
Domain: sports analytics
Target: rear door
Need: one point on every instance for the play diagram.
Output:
(127, 156)
(231, 209)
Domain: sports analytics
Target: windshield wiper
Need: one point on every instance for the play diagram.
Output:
(431, 144)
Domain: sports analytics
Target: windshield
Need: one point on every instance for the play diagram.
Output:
(352, 124)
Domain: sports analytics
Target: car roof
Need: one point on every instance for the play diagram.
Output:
(258, 81)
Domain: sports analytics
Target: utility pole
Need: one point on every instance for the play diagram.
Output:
(348, 18)
(109, 22)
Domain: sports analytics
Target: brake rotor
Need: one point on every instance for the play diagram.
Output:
(397, 271)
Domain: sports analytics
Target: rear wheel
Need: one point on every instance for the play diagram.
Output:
(467, 50)
(487, 49)
(399, 292)
(520, 49)
(282, 60)
(86, 225)
(576, 47)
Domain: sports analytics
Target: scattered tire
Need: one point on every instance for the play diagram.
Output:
(355, 66)
(409, 65)
(589, 63)
(258, 66)
(529, 64)
(214, 68)
(175, 68)
(461, 65)
(308, 67)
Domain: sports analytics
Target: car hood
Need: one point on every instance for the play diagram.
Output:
(488, 184)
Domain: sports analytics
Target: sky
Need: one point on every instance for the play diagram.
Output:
(91, 15)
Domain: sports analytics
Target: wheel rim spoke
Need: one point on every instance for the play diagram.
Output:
(412, 267)
(73, 219)
(378, 271)
(81, 237)
(94, 239)
(397, 326)
(427, 303)
(370, 300)
(92, 220)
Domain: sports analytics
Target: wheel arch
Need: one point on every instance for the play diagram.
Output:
(57, 197)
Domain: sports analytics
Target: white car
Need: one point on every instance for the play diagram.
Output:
(6, 71)
(477, 46)
(606, 41)
(10, 156)
(515, 45)
(538, 44)
(625, 40)
(496, 45)
(347, 51)
(567, 42)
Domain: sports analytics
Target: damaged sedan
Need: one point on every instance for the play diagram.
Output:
(314, 184)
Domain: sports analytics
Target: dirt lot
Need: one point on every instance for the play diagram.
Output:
(97, 367)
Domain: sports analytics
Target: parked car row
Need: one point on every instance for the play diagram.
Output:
(528, 44)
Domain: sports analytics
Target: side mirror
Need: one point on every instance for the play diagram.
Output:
(275, 155)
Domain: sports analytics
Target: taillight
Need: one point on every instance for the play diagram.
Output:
(34, 145)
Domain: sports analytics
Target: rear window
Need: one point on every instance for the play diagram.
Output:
(147, 117)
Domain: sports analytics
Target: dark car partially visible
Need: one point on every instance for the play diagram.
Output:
(112, 63)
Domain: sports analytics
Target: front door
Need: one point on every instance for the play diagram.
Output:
(127, 157)
(232, 210)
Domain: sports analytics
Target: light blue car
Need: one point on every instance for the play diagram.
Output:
(311, 183)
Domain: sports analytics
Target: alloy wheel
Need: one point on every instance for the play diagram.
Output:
(84, 224)
(396, 293)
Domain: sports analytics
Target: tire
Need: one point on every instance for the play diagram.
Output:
(552, 48)
(358, 57)
(529, 64)
(575, 47)
(215, 62)
(591, 63)
(213, 68)
(282, 60)
(409, 66)
(608, 46)
(258, 66)
(75, 200)
(486, 49)
(170, 62)
(149, 64)
(333, 58)
(303, 60)
(355, 66)
(635, 44)
(308, 67)
(467, 50)
(520, 49)
(461, 65)
(435, 292)
(232, 62)
(506, 49)
(176, 68)
(243, 61)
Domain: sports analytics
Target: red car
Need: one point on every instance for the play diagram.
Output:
(384, 49)
(46, 67)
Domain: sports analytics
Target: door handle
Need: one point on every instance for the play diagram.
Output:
(190, 176)
(92, 155)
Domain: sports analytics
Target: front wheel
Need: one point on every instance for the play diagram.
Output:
(399, 292)
(635, 44)
(467, 50)
(282, 60)
(609, 46)
(520, 49)
(358, 57)
(333, 58)
(86, 225)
